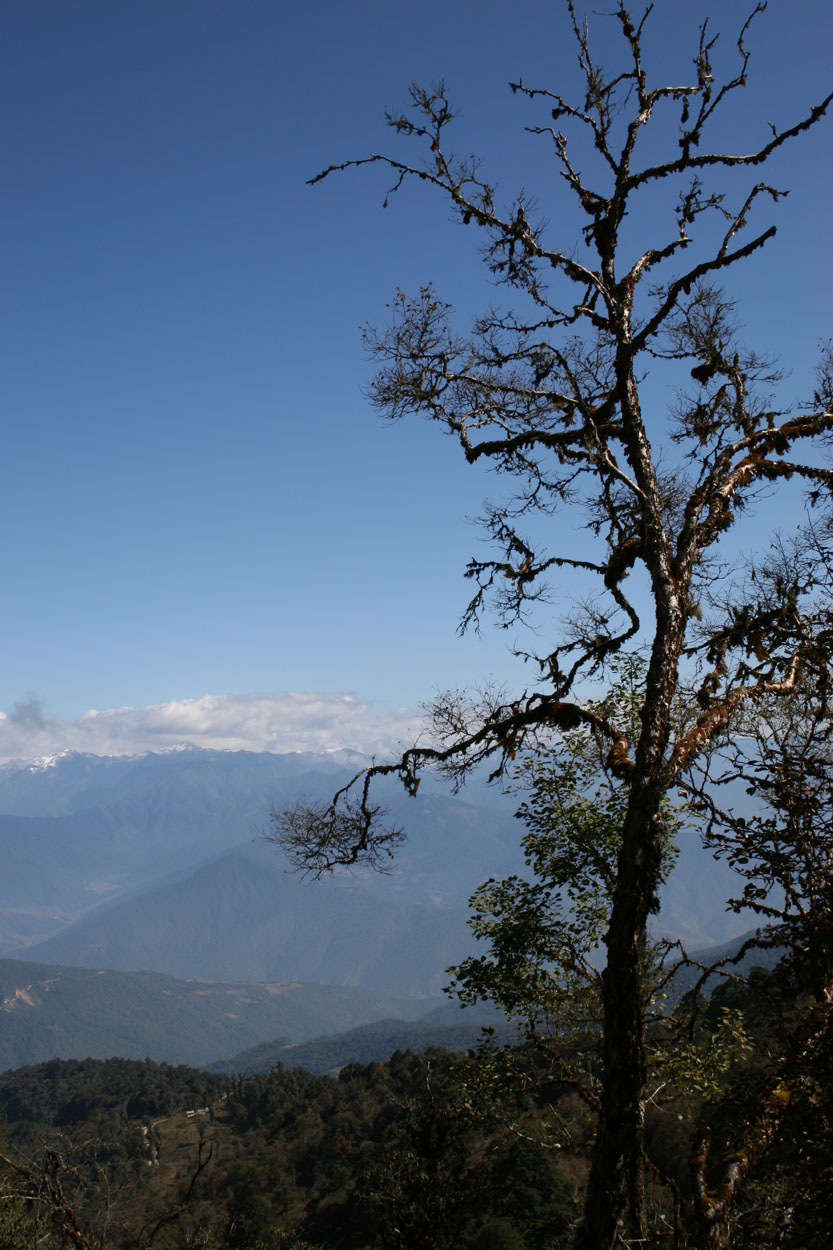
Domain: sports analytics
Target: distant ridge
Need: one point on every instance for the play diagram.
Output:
(54, 1012)
(369, 1043)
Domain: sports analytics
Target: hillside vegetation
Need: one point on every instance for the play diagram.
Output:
(149, 1154)
(49, 1011)
(439, 1151)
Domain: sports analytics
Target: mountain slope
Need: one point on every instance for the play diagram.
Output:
(49, 1012)
(369, 1043)
(243, 917)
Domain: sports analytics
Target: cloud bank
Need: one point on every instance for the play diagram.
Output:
(293, 721)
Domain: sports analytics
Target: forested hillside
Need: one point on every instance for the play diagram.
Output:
(285, 1160)
(433, 1152)
(49, 1011)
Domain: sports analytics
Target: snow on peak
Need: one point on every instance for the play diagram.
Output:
(45, 762)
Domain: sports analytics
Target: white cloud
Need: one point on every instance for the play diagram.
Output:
(291, 721)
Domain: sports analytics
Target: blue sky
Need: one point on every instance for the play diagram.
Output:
(196, 498)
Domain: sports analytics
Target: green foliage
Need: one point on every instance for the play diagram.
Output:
(16, 1229)
(699, 1061)
(458, 1173)
(287, 1160)
(544, 935)
(64, 1092)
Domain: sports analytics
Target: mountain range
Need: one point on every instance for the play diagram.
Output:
(156, 863)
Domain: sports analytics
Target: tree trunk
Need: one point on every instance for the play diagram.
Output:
(615, 1193)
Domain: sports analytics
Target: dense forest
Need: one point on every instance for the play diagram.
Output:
(120, 1153)
(440, 1150)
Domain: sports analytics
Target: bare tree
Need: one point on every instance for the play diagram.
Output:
(548, 389)
(66, 1193)
(49, 1189)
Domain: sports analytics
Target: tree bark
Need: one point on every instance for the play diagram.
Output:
(615, 1192)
